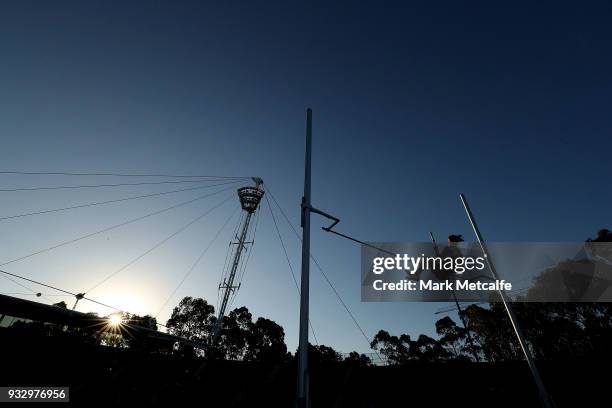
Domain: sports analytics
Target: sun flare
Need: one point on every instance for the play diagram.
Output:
(115, 320)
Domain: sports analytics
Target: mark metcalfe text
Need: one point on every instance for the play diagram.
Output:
(412, 265)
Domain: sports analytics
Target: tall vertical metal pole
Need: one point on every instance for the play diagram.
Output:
(302, 400)
(544, 397)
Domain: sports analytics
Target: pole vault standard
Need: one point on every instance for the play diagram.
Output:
(544, 397)
(302, 394)
(302, 400)
(249, 200)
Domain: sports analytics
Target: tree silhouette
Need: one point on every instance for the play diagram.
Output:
(235, 333)
(453, 338)
(356, 359)
(136, 339)
(395, 349)
(322, 355)
(266, 342)
(193, 319)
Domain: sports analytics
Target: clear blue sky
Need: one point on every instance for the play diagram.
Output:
(413, 103)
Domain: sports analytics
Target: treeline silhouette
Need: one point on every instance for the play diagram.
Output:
(567, 330)
(553, 330)
(250, 364)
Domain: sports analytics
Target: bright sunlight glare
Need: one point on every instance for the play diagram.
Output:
(115, 320)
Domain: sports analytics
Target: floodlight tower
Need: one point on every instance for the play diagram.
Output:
(250, 198)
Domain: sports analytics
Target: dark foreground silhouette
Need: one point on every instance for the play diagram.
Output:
(476, 364)
(110, 375)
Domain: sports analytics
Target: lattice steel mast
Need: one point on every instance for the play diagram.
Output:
(250, 198)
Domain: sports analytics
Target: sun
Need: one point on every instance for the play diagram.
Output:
(115, 320)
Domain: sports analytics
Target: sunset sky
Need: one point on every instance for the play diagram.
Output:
(413, 104)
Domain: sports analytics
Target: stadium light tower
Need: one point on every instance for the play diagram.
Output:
(250, 197)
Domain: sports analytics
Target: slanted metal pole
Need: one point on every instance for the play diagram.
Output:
(302, 400)
(544, 397)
